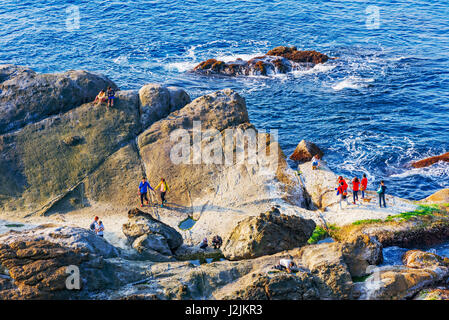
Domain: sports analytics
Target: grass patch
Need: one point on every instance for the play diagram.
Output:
(422, 210)
(320, 233)
(360, 279)
(12, 225)
(367, 221)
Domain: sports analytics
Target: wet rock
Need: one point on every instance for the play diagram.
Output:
(27, 96)
(266, 234)
(430, 161)
(360, 253)
(305, 150)
(278, 60)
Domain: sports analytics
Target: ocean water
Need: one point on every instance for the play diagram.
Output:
(380, 105)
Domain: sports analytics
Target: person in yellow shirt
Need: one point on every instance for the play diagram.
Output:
(100, 98)
(163, 188)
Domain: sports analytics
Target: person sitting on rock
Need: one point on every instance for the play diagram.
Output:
(100, 229)
(163, 188)
(94, 225)
(111, 97)
(143, 190)
(203, 244)
(217, 241)
(315, 162)
(100, 98)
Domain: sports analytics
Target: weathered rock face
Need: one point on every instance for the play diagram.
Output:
(433, 294)
(441, 196)
(266, 234)
(153, 239)
(361, 252)
(35, 264)
(26, 96)
(305, 150)
(278, 60)
(421, 270)
(430, 161)
(68, 154)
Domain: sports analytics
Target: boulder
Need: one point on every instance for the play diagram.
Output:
(433, 294)
(430, 161)
(36, 264)
(441, 196)
(293, 54)
(266, 234)
(157, 101)
(360, 253)
(150, 236)
(305, 150)
(27, 96)
(420, 270)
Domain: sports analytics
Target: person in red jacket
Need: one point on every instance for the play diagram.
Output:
(340, 180)
(341, 191)
(363, 185)
(355, 189)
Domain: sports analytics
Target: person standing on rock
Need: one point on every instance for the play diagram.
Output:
(355, 189)
(100, 229)
(315, 162)
(363, 185)
(341, 190)
(143, 190)
(163, 188)
(111, 97)
(93, 226)
(381, 192)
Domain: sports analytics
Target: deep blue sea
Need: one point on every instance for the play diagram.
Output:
(383, 103)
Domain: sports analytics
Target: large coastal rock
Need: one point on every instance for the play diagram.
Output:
(360, 253)
(195, 150)
(278, 60)
(37, 263)
(153, 239)
(420, 270)
(269, 233)
(26, 96)
(66, 154)
(305, 150)
(430, 161)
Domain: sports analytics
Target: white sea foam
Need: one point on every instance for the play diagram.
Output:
(352, 82)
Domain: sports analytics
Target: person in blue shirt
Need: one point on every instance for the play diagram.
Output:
(143, 190)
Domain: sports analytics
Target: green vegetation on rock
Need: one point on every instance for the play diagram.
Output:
(320, 233)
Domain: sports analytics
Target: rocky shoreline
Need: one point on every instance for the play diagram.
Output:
(65, 160)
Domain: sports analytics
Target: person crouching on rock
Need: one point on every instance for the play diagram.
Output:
(341, 190)
(94, 225)
(100, 98)
(100, 229)
(355, 189)
(143, 190)
(163, 188)
(288, 264)
(203, 244)
(111, 97)
(217, 241)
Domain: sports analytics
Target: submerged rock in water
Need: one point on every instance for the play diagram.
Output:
(152, 238)
(266, 234)
(305, 150)
(430, 161)
(278, 60)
